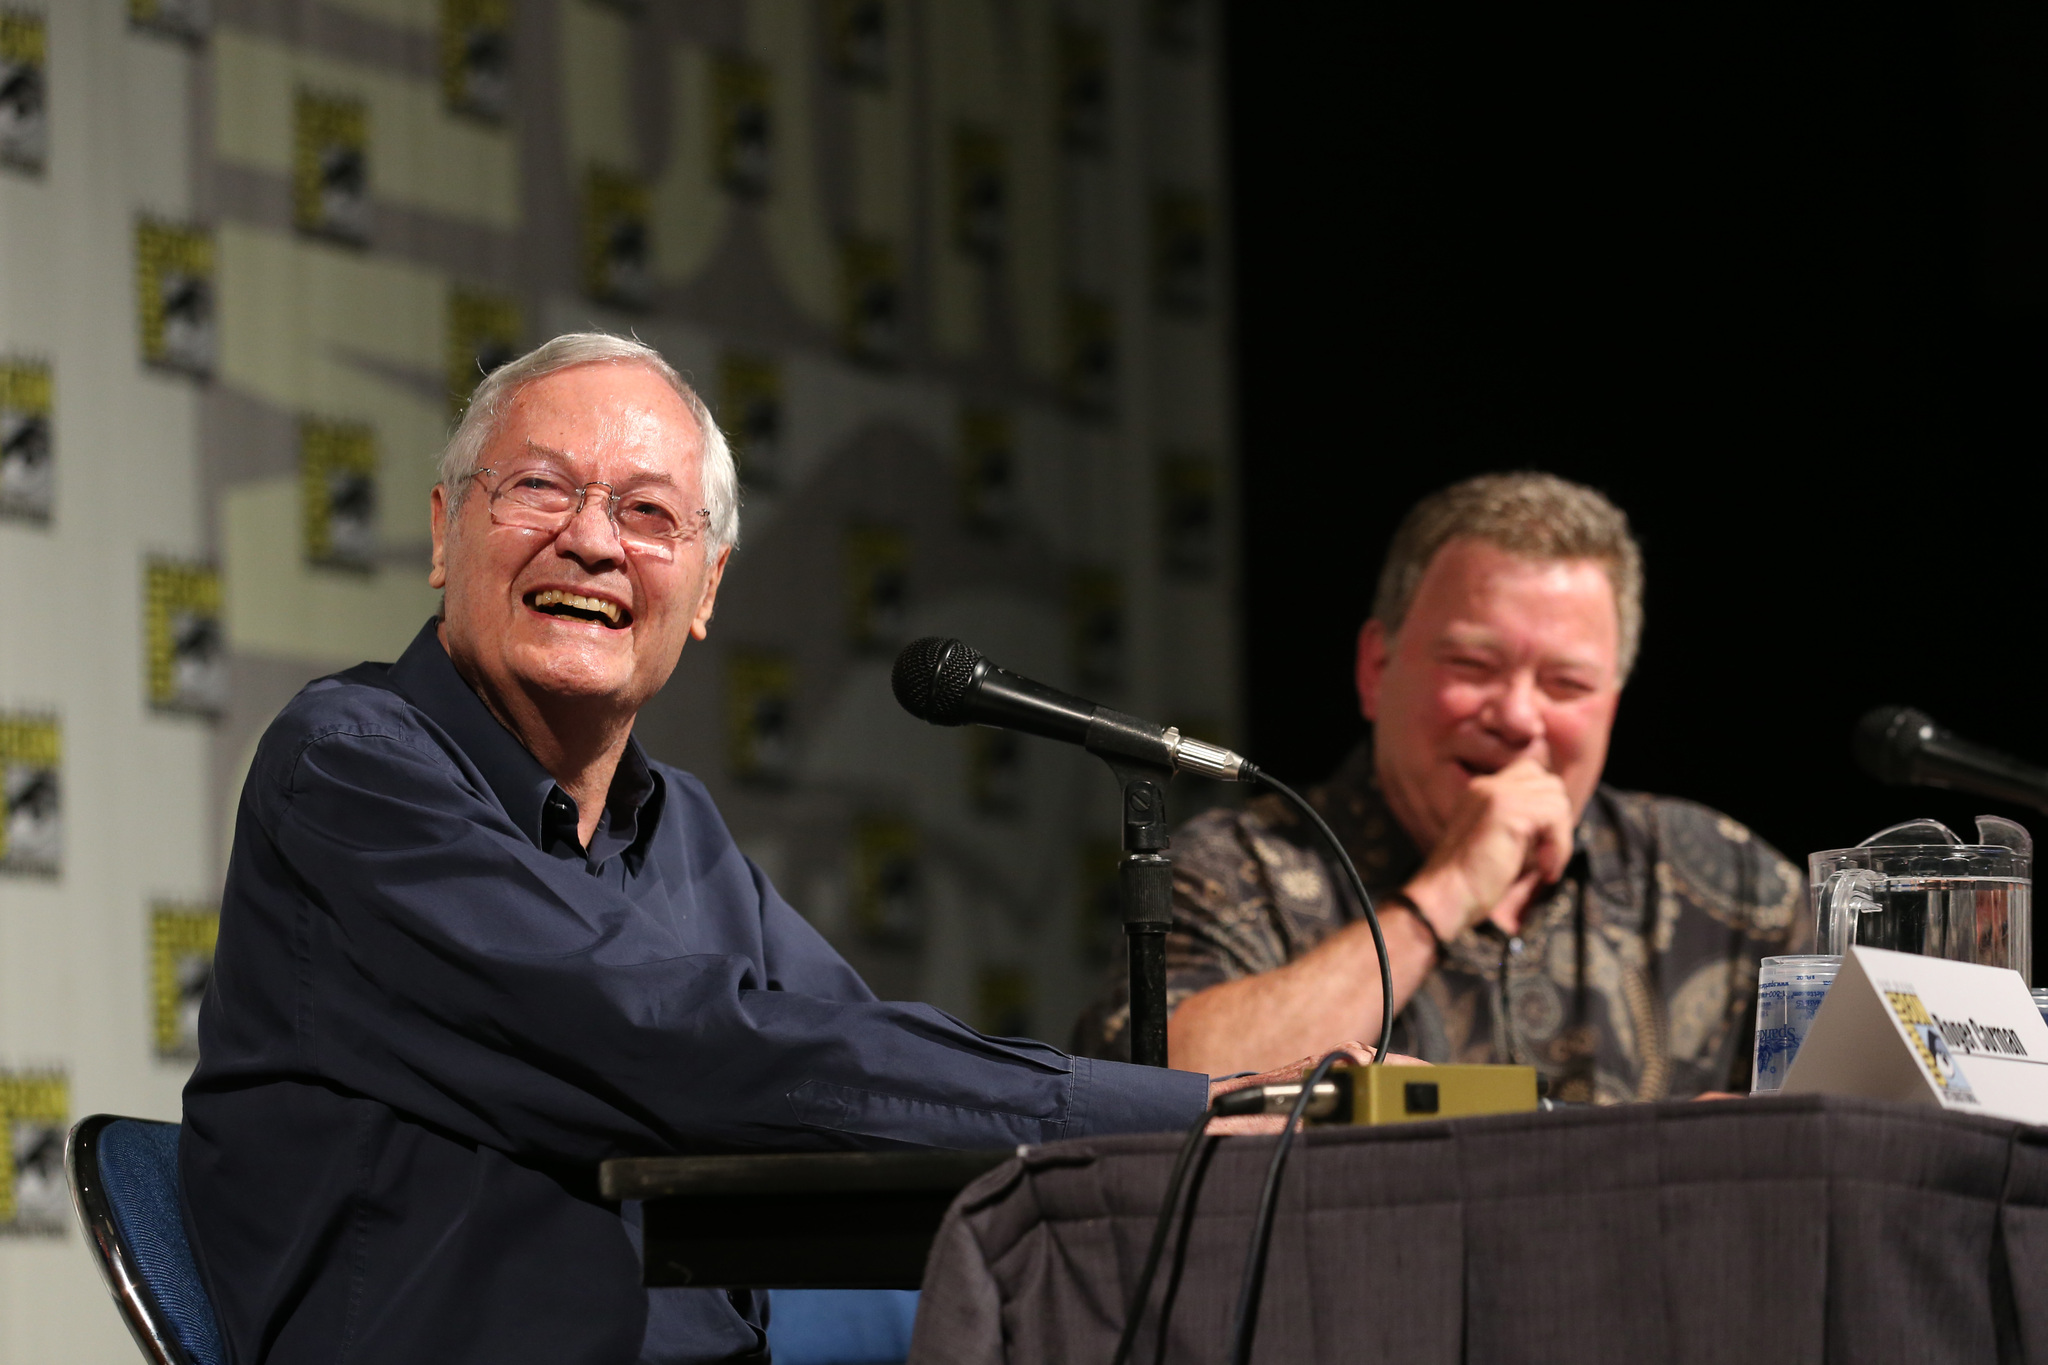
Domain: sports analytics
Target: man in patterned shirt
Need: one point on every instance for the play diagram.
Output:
(1610, 939)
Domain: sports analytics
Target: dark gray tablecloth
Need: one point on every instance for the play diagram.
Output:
(1784, 1230)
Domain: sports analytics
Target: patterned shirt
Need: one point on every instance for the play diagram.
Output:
(1633, 978)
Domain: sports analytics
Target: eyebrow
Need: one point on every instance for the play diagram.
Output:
(564, 457)
(1479, 637)
(1469, 637)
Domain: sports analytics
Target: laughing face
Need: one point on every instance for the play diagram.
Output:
(1500, 658)
(538, 620)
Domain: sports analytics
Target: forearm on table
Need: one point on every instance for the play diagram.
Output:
(1328, 995)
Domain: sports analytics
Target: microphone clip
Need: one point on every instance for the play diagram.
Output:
(1144, 820)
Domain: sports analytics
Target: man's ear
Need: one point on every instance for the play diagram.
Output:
(437, 505)
(700, 623)
(1371, 668)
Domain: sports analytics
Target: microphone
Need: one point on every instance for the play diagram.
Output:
(948, 682)
(1900, 745)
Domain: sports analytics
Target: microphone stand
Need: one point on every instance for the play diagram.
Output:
(1145, 888)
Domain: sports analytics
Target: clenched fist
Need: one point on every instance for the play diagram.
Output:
(1509, 834)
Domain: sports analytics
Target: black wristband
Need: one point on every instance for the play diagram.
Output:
(1407, 902)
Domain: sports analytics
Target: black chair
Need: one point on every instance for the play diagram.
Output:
(124, 1184)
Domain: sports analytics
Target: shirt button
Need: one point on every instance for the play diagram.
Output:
(1515, 945)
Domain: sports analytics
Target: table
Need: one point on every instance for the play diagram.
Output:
(798, 1220)
(1782, 1230)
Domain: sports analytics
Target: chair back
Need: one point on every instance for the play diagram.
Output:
(124, 1184)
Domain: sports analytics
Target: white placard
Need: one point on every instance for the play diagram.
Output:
(1898, 1026)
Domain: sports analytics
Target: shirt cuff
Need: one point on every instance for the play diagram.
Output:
(1116, 1097)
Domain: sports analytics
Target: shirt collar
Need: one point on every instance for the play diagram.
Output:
(427, 677)
(629, 806)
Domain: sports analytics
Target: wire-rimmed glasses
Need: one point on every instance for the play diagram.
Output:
(647, 520)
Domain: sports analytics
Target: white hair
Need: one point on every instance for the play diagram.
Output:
(465, 450)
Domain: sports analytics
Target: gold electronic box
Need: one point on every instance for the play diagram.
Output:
(1399, 1094)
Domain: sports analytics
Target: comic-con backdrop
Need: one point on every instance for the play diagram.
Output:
(949, 271)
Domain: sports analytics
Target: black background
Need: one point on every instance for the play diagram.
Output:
(1774, 282)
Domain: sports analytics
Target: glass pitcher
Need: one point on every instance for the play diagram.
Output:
(1917, 888)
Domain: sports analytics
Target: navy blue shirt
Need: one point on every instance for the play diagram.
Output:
(434, 1012)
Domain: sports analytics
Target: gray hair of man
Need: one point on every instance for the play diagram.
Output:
(1536, 516)
(487, 406)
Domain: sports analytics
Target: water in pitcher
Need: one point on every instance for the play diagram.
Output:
(1966, 919)
(1916, 888)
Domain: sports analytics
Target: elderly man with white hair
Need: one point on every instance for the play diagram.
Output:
(474, 941)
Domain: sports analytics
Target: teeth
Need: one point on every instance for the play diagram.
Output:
(556, 597)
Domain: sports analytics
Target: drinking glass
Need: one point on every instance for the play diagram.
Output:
(1788, 992)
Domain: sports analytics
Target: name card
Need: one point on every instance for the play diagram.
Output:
(1898, 1026)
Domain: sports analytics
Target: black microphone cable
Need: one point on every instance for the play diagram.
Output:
(1262, 1226)
(1254, 773)
(1160, 1230)
(1254, 1283)
(1252, 1287)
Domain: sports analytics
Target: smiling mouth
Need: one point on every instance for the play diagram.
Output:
(1474, 769)
(575, 607)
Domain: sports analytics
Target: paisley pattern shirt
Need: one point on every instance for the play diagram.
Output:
(1633, 978)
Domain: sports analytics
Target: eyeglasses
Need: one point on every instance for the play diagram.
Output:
(542, 499)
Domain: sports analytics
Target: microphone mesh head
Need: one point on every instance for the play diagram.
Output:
(1888, 741)
(932, 676)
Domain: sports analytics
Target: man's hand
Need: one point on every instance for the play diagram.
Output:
(1293, 1071)
(1510, 834)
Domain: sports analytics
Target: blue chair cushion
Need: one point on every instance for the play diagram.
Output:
(840, 1326)
(139, 1171)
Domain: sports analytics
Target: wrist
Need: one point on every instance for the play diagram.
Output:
(1443, 902)
(1401, 900)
